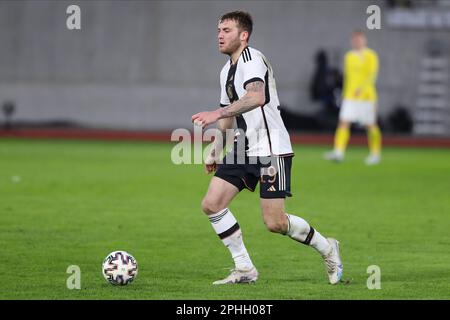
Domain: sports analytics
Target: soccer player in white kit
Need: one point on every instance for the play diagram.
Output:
(261, 152)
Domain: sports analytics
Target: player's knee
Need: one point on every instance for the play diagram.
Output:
(276, 225)
(344, 125)
(210, 207)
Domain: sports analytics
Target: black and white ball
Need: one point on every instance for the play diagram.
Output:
(119, 268)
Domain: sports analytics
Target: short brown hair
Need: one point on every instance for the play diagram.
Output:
(358, 32)
(243, 19)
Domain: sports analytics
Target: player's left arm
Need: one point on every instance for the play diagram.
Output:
(372, 71)
(254, 98)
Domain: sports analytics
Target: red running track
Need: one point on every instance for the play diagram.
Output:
(297, 138)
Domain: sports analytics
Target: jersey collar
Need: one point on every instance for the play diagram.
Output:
(240, 56)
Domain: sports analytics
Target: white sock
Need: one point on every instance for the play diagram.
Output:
(301, 231)
(340, 153)
(228, 230)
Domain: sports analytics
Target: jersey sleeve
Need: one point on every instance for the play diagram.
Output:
(254, 69)
(347, 63)
(372, 71)
(374, 66)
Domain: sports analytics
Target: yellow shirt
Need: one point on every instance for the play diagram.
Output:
(360, 72)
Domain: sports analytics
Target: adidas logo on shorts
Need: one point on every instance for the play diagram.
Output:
(272, 188)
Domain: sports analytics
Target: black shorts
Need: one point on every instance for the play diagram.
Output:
(273, 173)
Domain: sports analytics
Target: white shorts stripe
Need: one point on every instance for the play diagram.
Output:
(278, 172)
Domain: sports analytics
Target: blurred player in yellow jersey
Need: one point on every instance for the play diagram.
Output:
(359, 100)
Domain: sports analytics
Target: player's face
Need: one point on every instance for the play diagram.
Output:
(228, 37)
(358, 41)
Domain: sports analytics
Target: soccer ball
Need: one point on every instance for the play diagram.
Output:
(119, 268)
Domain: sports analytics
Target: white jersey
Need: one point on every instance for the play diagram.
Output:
(263, 126)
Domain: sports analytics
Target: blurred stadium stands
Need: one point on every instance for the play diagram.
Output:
(149, 65)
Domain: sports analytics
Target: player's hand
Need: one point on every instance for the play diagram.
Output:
(210, 168)
(210, 164)
(205, 118)
(357, 92)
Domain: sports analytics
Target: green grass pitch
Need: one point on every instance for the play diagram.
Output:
(72, 202)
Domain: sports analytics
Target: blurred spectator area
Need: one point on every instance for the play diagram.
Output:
(416, 4)
(152, 64)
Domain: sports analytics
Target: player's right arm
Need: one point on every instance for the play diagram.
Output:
(220, 143)
(347, 88)
(220, 140)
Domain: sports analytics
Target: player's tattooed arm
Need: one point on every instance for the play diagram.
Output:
(255, 97)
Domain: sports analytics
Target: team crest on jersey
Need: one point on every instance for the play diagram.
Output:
(230, 92)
